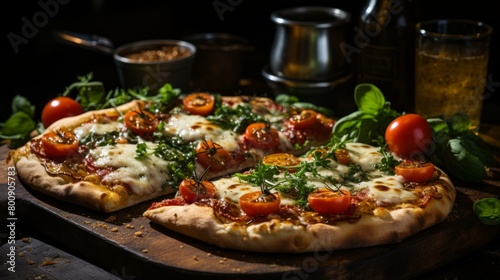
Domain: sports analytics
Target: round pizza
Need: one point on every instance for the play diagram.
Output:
(113, 158)
(238, 172)
(335, 196)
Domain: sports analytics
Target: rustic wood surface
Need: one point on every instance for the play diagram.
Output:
(127, 243)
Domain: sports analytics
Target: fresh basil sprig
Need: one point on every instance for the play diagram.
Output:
(458, 150)
(93, 96)
(18, 127)
(371, 119)
(488, 210)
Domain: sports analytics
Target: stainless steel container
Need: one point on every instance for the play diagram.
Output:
(307, 43)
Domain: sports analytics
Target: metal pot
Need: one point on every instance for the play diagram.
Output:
(307, 43)
(139, 74)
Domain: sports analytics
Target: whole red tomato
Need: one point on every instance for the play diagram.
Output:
(58, 108)
(408, 136)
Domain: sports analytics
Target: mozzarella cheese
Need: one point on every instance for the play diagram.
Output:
(144, 176)
(193, 128)
(382, 189)
(96, 128)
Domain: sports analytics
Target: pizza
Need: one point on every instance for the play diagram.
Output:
(335, 196)
(239, 172)
(113, 158)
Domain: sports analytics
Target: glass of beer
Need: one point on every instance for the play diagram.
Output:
(451, 67)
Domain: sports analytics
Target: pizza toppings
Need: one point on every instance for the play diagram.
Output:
(262, 135)
(342, 155)
(140, 122)
(213, 156)
(199, 103)
(259, 203)
(303, 119)
(414, 171)
(59, 143)
(281, 159)
(193, 190)
(329, 202)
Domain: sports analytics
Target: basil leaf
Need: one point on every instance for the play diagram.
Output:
(17, 125)
(488, 210)
(286, 99)
(438, 125)
(478, 148)
(459, 123)
(369, 98)
(22, 104)
(463, 164)
(366, 132)
(347, 125)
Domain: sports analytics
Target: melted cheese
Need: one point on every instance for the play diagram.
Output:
(364, 155)
(96, 128)
(381, 189)
(143, 176)
(196, 128)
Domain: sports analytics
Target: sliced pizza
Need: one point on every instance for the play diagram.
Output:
(114, 158)
(333, 197)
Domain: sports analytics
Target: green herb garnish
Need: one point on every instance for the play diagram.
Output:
(488, 210)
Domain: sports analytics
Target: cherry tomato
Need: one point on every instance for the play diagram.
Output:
(281, 159)
(192, 190)
(415, 171)
(323, 127)
(255, 203)
(59, 144)
(408, 136)
(262, 136)
(140, 122)
(199, 103)
(211, 154)
(304, 119)
(327, 202)
(59, 108)
(342, 156)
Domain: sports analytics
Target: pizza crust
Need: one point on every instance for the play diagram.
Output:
(275, 236)
(84, 193)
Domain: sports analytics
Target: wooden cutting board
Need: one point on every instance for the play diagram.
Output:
(127, 242)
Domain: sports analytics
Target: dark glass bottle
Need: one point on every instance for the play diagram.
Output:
(386, 40)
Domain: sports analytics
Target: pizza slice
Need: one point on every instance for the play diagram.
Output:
(114, 158)
(334, 197)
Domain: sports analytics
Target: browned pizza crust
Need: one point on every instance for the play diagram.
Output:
(383, 227)
(85, 193)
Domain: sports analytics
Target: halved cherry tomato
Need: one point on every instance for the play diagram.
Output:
(59, 143)
(199, 103)
(192, 190)
(327, 202)
(323, 127)
(255, 203)
(408, 136)
(262, 136)
(415, 171)
(304, 119)
(58, 108)
(342, 156)
(211, 154)
(141, 122)
(281, 159)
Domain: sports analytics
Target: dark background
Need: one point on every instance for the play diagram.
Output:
(42, 68)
